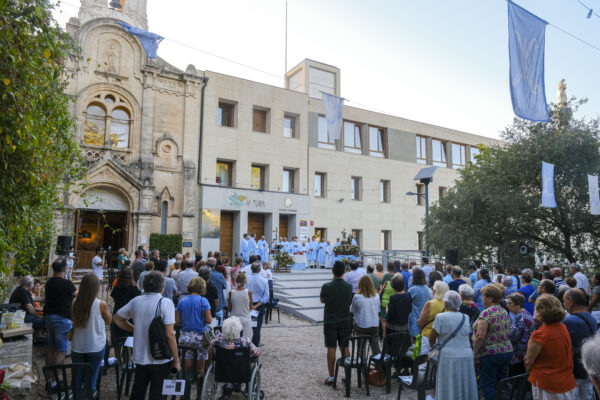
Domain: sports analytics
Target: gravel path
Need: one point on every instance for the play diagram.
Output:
(293, 366)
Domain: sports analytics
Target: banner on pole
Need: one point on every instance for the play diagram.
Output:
(594, 195)
(333, 113)
(548, 199)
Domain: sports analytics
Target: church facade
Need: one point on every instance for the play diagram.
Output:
(212, 156)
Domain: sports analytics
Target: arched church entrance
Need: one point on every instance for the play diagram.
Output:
(102, 219)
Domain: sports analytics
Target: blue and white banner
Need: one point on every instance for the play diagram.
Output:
(526, 42)
(594, 195)
(548, 199)
(334, 106)
(149, 40)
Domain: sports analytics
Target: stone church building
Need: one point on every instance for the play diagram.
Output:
(211, 156)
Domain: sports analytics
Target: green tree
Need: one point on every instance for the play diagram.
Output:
(38, 152)
(497, 201)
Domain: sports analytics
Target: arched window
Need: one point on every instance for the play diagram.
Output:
(163, 217)
(107, 122)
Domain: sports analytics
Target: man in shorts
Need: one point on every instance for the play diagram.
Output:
(57, 313)
(337, 321)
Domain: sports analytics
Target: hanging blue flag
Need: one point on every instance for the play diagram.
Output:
(548, 199)
(526, 42)
(594, 195)
(149, 40)
(334, 106)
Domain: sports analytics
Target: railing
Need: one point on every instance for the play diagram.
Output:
(372, 257)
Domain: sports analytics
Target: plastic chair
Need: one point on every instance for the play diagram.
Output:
(420, 380)
(356, 361)
(394, 346)
(125, 364)
(514, 388)
(107, 363)
(273, 304)
(63, 390)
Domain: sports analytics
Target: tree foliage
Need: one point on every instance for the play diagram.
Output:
(497, 201)
(38, 152)
(166, 243)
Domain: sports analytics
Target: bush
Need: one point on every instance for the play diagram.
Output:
(167, 244)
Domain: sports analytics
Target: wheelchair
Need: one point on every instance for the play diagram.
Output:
(230, 370)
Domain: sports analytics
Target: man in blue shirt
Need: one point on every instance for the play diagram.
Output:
(581, 325)
(217, 280)
(473, 274)
(448, 277)
(457, 278)
(406, 274)
(260, 297)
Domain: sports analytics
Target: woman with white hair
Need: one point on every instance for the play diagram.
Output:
(432, 308)
(456, 373)
(468, 306)
(230, 337)
(590, 357)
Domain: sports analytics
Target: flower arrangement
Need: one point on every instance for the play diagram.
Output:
(346, 249)
(283, 259)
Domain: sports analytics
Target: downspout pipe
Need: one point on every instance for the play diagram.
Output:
(204, 83)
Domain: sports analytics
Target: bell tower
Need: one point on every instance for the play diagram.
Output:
(132, 12)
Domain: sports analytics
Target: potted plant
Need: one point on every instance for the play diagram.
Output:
(284, 260)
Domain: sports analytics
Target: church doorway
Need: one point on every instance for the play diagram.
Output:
(108, 229)
(226, 234)
(256, 224)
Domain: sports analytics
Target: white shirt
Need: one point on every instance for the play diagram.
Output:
(169, 264)
(142, 309)
(353, 277)
(427, 269)
(91, 338)
(70, 259)
(582, 282)
(97, 268)
(267, 274)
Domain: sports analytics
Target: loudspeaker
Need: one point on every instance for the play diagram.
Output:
(63, 245)
(452, 256)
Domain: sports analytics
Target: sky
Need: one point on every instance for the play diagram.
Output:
(442, 62)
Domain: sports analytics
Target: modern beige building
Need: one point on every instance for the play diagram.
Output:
(213, 156)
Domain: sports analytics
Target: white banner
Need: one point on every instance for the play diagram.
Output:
(594, 195)
(333, 113)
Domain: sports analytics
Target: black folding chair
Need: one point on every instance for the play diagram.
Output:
(65, 390)
(420, 381)
(191, 375)
(357, 361)
(395, 346)
(126, 365)
(514, 388)
(107, 364)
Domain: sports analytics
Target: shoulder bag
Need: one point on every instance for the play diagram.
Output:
(434, 353)
(159, 348)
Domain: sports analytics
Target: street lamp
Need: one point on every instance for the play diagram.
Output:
(425, 176)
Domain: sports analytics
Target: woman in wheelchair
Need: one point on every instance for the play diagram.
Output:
(230, 338)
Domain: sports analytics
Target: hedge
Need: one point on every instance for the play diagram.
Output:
(167, 244)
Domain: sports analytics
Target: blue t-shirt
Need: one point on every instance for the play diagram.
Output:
(473, 278)
(527, 291)
(407, 276)
(447, 279)
(192, 310)
(580, 331)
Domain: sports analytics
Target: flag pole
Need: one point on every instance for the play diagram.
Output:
(286, 18)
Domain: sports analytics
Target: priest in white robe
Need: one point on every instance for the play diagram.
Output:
(321, 254)
(252, 245)
(263, 248)
(244, 248)
(329, 255)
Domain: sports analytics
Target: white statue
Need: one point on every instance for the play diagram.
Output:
(562, 93)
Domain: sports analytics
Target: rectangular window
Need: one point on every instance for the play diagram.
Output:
(289, 126)
(319, 184)
(225, 117)
(324, 141)
(376, 141)
(439, 153)
(386, 239)
(355, 188)
(357, 235)
(421, 150)
(420, 194)
(421, 240)
(259, 120)
(257, 177)
(352, 142)
(287, 184)
(224, 173)
(443, 191)
(474, 153)
(459, 155)
(384, 191)
(320, 233)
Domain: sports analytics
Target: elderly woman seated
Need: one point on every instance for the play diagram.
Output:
(230, 337)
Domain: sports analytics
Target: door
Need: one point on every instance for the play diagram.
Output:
(226, 240)
(283, 226)
(256, 224)
(107, 229)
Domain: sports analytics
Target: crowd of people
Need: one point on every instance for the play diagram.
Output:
(490, 323)
(187, 292)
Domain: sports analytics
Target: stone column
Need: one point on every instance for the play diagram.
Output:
(190, 225)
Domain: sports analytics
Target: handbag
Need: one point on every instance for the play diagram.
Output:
(376, 377)
(434, 353)
(159, 348)
(209, 333)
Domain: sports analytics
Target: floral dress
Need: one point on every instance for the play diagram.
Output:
(520, 331)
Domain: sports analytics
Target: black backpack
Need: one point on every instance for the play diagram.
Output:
(159, 348)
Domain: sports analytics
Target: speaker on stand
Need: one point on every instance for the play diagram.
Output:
(452, 256)
(63, 245)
